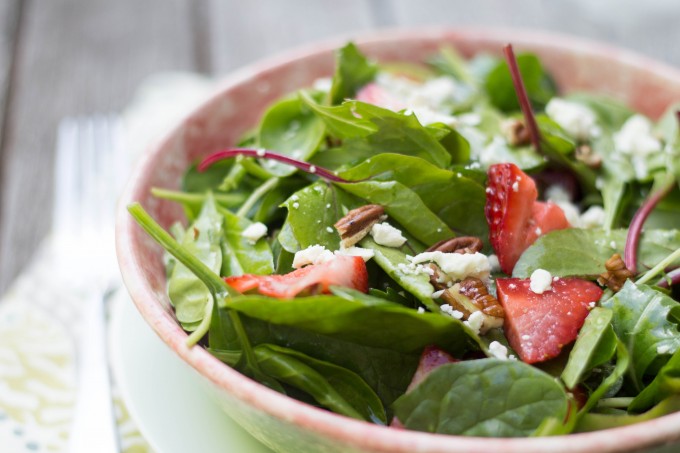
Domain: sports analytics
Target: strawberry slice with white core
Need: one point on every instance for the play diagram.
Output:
(538, 326)
(346, 271)
(515, 217)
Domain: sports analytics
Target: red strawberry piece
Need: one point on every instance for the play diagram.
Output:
(347, 271)
(539, 325)
(373, 93)
(514, 216)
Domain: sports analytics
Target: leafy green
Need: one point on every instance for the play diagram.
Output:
(537, 82)
(352, 71)
(665, 384)
(595, 422)
(332, 386)
(581, 252)
(290, 128)
(240, 256)
(487, 397)
(646, 320)
(610, 113)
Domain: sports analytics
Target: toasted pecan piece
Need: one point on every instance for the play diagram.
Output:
(516, 132)
(356, 224)
(616, 275)
(462, 244)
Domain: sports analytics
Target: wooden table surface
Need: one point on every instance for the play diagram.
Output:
(78, 57)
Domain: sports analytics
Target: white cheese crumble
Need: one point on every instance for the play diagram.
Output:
(449, 310)
(385, 234)
(540, 281)
(494, 264)
(593, 217)
(663, 349)
(323, 84)
(314, 254)
(254, 232)
(421, 310)
(438, 294)
(458, 266)
(576, 119)
(498, 351)
(329, 229)
(475, 321)
(635, 137)
(365, 254)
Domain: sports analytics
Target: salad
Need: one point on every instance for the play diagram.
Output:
(453, 247)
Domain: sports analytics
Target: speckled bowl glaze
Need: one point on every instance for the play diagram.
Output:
(280, 422)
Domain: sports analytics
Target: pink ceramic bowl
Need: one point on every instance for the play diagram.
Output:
(280, 422)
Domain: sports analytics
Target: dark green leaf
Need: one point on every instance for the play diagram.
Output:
(665, 384)
(596, 422)
(352, 71)
(487, 397)
(240, 256)
(538, 84)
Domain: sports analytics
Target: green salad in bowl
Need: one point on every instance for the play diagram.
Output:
(450, 247)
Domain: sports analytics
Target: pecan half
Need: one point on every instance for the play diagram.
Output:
(356, 224)
(585, 154)
(616, 275)
(474, 289)
(462, 245)
(516, 132)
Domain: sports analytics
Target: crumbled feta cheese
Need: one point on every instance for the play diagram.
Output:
(456, 265)
(498, 350)
(421, 310)
(475, 321)
(437, 294)
(494, 264)
(385, 234)
(612, 244)
(635, 137)
(493, 153)
(540, 281)
(329, 229)
(328, 205)
(576, 119)
(593, 217)
(449, 310)
(663, 349)
(365, 254)
(254, 232)
(557, 193)
(323, 84)
(591, 305)
(314, 254)
(571, 212)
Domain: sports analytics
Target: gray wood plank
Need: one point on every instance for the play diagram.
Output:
(243, 31)
(76, 57)
(648, 27)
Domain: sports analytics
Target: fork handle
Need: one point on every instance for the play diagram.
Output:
(94, 427)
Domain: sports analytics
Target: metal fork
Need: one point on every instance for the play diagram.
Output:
(88, 171)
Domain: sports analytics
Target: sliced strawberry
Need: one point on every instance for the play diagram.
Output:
(514, 216)
(373, 93)
(539, 325)
(347, 271)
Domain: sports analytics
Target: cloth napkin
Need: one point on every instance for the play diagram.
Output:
(40, 314)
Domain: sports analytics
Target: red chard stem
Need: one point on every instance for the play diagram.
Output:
(671, 279)
(264, 154)
(523, 97)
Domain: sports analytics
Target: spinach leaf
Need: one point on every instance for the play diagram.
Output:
(382, 324)
(581, 252)
(393, 261)
(596, 422)
(646, 320)
(188, 294)
(595, 345)
(457, 200)
(377, 130)
(290, 128)
(312, 212)
(404, 206)
(332, 386)
(487, 397)
(538, 83)
(240, 256)
(194, 181)
(665, 384)
(352, 71)
(622, 365)
(450, 62)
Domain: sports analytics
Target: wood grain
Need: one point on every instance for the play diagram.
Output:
(75, 57)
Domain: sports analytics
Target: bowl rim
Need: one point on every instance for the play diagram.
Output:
(354, 433)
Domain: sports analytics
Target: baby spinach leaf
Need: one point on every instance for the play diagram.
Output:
(487, 397)
(286, 238)
(202, 239)
(290, 128)
(595, 345)
(393, 261)
(404, 206)
(646, 321)
(665, 384)
(312, 212)
(341, 122)
(538, 83)
(352, 71)
(450, 62)
(240, 256)
(581, 252)
(622, 365)
(595, 422)
(332, 386)
(194, 181)
(382, 324)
